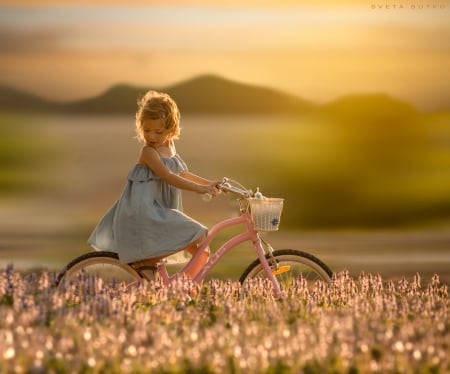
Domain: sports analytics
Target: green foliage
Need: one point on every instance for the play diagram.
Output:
(24, 153)
(361, 162)
(7, 300)
(373, 168)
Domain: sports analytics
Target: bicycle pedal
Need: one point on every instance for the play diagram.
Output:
(281, 270)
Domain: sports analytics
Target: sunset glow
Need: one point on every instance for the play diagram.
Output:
(316, 50)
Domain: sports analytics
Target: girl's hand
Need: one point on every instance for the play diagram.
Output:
(210, 189)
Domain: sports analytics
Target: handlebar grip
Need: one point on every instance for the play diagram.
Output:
(238, 191)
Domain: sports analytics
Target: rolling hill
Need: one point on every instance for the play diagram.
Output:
(204, 94)
(15, 100)
(209, 94)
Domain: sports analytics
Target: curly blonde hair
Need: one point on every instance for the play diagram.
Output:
(158, 105)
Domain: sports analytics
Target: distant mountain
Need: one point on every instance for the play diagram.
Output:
(15, 100)
(209, 94)
(120, 98)
(205, 94)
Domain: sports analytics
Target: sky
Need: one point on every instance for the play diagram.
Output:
(318, 50)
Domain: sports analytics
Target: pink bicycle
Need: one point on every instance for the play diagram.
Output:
(281, 267)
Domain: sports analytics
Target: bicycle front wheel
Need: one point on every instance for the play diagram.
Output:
(103, 266)
(290, 267)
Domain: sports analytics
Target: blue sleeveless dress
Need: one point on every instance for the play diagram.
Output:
(147, 220)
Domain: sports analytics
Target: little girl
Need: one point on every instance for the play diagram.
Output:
(147, 222)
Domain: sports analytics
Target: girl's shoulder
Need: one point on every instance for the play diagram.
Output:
(148, 151)
(148, 148)
(167, 151)
(148, 156)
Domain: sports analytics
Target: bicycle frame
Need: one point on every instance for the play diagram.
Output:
(249, 235)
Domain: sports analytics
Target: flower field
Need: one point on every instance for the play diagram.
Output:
(356, 325)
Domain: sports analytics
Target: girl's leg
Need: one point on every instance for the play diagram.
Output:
(148, 266)
(194, 266)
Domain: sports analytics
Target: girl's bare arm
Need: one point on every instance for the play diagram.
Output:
(197, 179)
(150, 157)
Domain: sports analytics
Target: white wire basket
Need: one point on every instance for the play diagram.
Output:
(266, 213)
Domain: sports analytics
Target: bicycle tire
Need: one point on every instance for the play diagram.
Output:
(303, 267)
(103, 264)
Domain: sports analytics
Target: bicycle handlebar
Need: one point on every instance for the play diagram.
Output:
(227, 187)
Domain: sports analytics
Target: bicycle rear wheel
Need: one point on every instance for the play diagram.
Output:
(104, 267)
(292, 268)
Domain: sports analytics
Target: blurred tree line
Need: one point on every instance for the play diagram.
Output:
(24, 152)
(363, 163)
(357, 163)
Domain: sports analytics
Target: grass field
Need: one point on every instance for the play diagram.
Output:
(356, 325)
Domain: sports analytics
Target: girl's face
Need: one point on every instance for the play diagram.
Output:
(155, 134)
